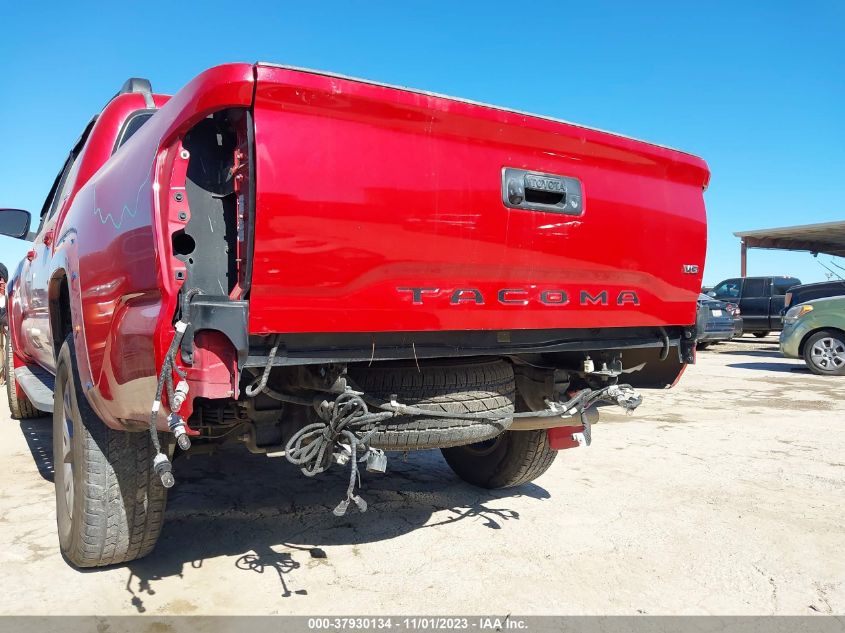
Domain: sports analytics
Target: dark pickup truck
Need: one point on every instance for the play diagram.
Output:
(761, 300)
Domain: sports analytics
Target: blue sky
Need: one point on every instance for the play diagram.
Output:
(757, 89)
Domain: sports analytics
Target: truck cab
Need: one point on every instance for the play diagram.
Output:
(760, 299)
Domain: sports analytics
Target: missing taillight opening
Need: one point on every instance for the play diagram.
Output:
(212, 242)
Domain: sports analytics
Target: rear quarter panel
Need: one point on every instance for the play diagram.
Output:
(116, 246)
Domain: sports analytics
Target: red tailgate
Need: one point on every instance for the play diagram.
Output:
(381, 209)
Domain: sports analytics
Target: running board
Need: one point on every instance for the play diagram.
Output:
(38, 384)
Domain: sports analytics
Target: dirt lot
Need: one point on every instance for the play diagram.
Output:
(724, 495)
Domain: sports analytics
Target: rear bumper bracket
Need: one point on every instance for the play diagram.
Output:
(222, 315)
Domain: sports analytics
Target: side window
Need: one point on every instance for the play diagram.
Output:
(132, 125)
(755, 288)
(64, 181)
(728, 289)
(68, 178)
(50, 202)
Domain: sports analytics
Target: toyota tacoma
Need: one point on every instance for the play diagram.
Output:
(326, 270)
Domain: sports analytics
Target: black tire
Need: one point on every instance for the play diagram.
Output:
(761, 334)
(702, 345)
(463, 386)
(512, 459)
(19, 404)
(116, 501)
(830, 361)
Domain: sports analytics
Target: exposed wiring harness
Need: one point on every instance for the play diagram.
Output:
(175, 396)
(316, 445)
(311, 447)
(260, 384)
(622, 395)
(664, 353)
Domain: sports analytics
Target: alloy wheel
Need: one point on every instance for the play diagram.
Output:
(828, 354)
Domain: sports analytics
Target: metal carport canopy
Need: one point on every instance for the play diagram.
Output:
(827, 238)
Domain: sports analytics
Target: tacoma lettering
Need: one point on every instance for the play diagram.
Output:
(520, 296)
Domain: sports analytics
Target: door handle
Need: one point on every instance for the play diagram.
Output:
(48, 238)
(30, 255)
(536, 191)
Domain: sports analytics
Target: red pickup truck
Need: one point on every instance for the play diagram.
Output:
(324, 268)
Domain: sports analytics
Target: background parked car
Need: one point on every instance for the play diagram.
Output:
(760, 299)
(815, 331)
(736, 313)
(809, 292)
(714, 322)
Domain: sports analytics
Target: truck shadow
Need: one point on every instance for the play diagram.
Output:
(754, 341)
(751, 352)
(784, 368)
(38, 433)
(273, 520)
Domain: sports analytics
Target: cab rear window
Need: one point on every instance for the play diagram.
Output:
(132, 125)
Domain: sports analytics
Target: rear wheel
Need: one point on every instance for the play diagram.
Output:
(19, 404)
(109, 502)
(761, 334)
(824, 353)
(512, 459)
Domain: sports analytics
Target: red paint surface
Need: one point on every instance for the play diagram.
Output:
(561, 437)
(364, 188)
(113, 231)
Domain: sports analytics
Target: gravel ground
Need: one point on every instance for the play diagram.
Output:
(724, 495)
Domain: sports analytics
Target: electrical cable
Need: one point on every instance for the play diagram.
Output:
(161, 464)
(311, 447)
(664, 354)
(258, 386)
(181, 326)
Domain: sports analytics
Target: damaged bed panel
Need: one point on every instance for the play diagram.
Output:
(212, 243)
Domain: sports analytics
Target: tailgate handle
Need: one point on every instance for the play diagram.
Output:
(535, 191)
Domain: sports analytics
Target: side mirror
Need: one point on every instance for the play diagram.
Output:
(14, 223)
(711, 294)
